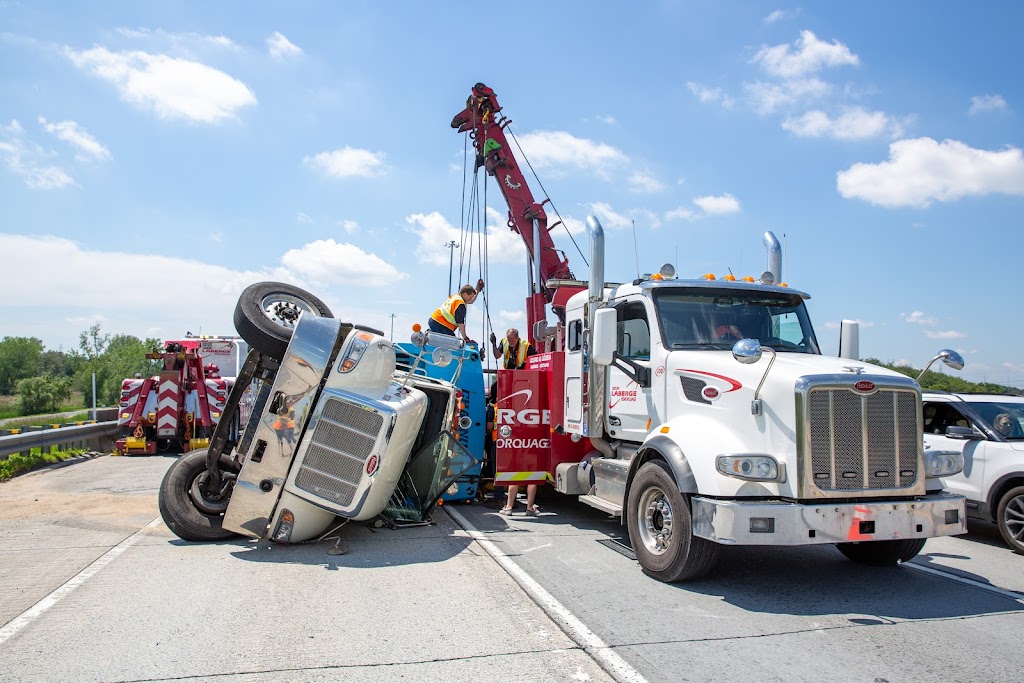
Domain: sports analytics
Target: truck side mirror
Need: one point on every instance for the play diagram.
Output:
(603, 350)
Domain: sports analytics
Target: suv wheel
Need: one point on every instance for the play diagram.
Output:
(1010, 515)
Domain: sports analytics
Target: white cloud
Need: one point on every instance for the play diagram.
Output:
(775, 16)
(609, 217)
(922, 171)
(327, 262)
(348, 226)
(806, 55)
(902, 362)
(281, 48)
(609, 120)
(29, 161)
(855, 123)
(947, 334)
(722, 204)
(180, 40)
(434, 231)
(69, 131)
(348, 162)
(302, 217)
(171, 87)
(983, 103)
(708, 95)
(641, 181)
(507, 319)
(97, 278)
(918, 318)
(547, 148)
(648, 217)
(767, 98)
(681, 213)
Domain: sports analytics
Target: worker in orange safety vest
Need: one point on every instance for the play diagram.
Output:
(451, 315)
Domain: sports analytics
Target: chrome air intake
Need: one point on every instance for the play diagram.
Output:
(333, 465)
(858, 437)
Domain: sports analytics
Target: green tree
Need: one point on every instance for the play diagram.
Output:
(60, 363)
(42, 394)
(113, 359)
(19, 358)
(940, 381)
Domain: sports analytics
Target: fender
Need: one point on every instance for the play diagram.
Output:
(988, 507)
(670, 452)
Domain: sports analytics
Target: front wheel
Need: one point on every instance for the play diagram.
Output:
(882, 553)
(660, 529)
(267, 312)
(187, 508)
(1010, 514)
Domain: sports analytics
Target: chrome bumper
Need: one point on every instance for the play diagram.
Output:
(735, 522)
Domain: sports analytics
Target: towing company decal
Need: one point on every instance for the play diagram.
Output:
(627, 394)
(527, 417)
(712, 392)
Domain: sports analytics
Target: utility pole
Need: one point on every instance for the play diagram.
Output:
(392, 316)
(452, 246)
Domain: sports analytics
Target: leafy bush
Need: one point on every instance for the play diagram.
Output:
(42, 394)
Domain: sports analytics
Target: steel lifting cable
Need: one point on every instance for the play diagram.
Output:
(508, 129)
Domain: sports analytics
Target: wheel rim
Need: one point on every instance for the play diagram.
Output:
(1013, 519)
(655, 517)
(201, 500)
(284, 309)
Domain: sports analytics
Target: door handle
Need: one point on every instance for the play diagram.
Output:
(612, 420)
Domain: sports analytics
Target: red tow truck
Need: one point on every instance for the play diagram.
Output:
(179, 407)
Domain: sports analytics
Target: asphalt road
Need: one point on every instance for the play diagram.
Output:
(93, 587)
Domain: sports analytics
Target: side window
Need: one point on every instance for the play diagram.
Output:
(574, 342)
(632, 331)
(938, 416)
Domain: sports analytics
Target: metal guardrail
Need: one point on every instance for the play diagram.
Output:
(74, 436)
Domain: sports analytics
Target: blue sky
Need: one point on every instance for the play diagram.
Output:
(155, 158)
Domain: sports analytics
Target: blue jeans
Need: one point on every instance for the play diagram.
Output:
(435, 326)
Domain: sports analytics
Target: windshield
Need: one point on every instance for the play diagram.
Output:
(1006, 419)
(713, 319)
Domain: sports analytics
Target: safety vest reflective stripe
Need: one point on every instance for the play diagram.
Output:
(446, 313)
(522, 346)
(514, 477)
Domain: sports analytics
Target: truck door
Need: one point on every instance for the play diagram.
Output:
(574, 386)
(630, 406)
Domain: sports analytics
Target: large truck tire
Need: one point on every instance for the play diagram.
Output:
(660, 529)
(267, 312)
(1010, 515)
(882, 553)
(184, 508)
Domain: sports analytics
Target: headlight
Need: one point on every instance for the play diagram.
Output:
(355, 351)
(943, 463)
(751, 467)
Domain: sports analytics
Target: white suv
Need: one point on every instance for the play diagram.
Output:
(989, 430)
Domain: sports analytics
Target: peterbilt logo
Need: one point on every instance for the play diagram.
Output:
(710, 393)
(864, 385)
(371, 464)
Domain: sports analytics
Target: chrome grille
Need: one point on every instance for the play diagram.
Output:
(862, 442)
(343, 439)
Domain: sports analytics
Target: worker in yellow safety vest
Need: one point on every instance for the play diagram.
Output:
(512, 350)
(451, 315)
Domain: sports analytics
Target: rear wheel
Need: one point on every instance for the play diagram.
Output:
(882, 553)
(267, 312)
(1010, 515)
(187, 508)
(660, 529)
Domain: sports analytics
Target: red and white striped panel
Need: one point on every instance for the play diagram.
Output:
(216, 397)
(167, 407)
(129, 399)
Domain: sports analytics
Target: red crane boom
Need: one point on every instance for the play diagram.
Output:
(551, 281)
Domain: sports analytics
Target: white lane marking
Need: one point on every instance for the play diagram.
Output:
(970, 582)
(37, 610)
(591, 643)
